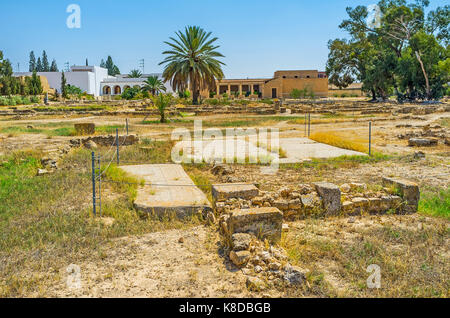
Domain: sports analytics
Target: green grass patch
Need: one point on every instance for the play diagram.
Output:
(435, 203)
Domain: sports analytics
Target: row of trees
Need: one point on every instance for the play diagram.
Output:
(10, 85)
(403, 51)
(41, 64)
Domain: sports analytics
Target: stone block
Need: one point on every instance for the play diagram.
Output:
(422, 142)
(331, 197)
(222, 192)
(240, 258)
(409, 191)
(262, 222)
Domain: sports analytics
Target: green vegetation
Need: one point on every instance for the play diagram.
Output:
(154, 85)
(403, 52)
(435, 203)
(192, 60)
(113, 70)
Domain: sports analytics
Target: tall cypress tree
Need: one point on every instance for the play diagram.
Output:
(87, 63)
(45, 64)
(54, 66)
(63, 86)
(39, 67)
(32, 64)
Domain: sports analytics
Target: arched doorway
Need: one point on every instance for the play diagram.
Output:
(117, 90)
(126, 87)
(106, 90)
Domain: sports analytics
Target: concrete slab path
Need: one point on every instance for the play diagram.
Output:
(168, 189)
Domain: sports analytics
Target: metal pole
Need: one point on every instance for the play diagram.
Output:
(100, 185)
(309, 125)
(117, 145)
(93, 183)
(306, 119)
(370, 138)
(127, 126)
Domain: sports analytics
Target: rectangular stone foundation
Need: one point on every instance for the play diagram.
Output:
(222, 192)
(262, 222)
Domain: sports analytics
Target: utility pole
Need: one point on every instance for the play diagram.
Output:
(142, 65)
(18, 67)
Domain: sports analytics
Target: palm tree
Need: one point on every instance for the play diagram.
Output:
(135, 74)
(154, 85)
(192, 61)
(162, 102)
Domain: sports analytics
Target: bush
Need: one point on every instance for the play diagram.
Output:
(35, 99)
(4, 101)
(296, 93)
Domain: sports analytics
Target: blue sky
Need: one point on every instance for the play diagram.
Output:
(257, 37)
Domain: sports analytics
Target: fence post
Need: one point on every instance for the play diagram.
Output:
(93, 184)
(306, 122)
(370, 138)
(309, 125)
(99, 186)
(127, 125)
(117, 145)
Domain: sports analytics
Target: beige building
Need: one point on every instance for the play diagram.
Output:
(280, 86)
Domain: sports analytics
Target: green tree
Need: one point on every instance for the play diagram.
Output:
(39, 67)
(32, 63)
(135, 74)
(162, 101)
(45, 63)
(192, 62)
(54, 66)
(154, 85)
(113, 70)
(63, 86)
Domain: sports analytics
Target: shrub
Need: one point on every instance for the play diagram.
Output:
(35, 99)
(296, 93)
(4, 101)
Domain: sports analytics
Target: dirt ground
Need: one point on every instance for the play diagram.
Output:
(160, 265)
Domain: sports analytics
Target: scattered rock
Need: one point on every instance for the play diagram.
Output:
(294, 275)
(181, 240)
(422, 142)
(241, 241)
(419, 155)
(42, 172)
(255, 284)
(210, 218)
(221, 170)
(345, 188)
(409, 191)
(240, 258)
(90, 145)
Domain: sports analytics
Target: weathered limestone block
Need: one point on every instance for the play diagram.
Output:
(262, 222)
(222, 192)
(331, 197)
(241, 241)
(84, 129)
(311, 201)
(409, 191)
(422, 142)
(240, 258)
(283, 205)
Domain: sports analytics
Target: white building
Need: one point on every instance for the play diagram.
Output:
(118, 84)
(94, 80)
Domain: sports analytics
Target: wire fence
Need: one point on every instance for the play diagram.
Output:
(99, 168)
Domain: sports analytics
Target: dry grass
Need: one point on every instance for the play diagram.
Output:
(412, 252)
(332, 138)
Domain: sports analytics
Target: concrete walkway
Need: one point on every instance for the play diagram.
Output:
(298, 149)
(171, 190)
